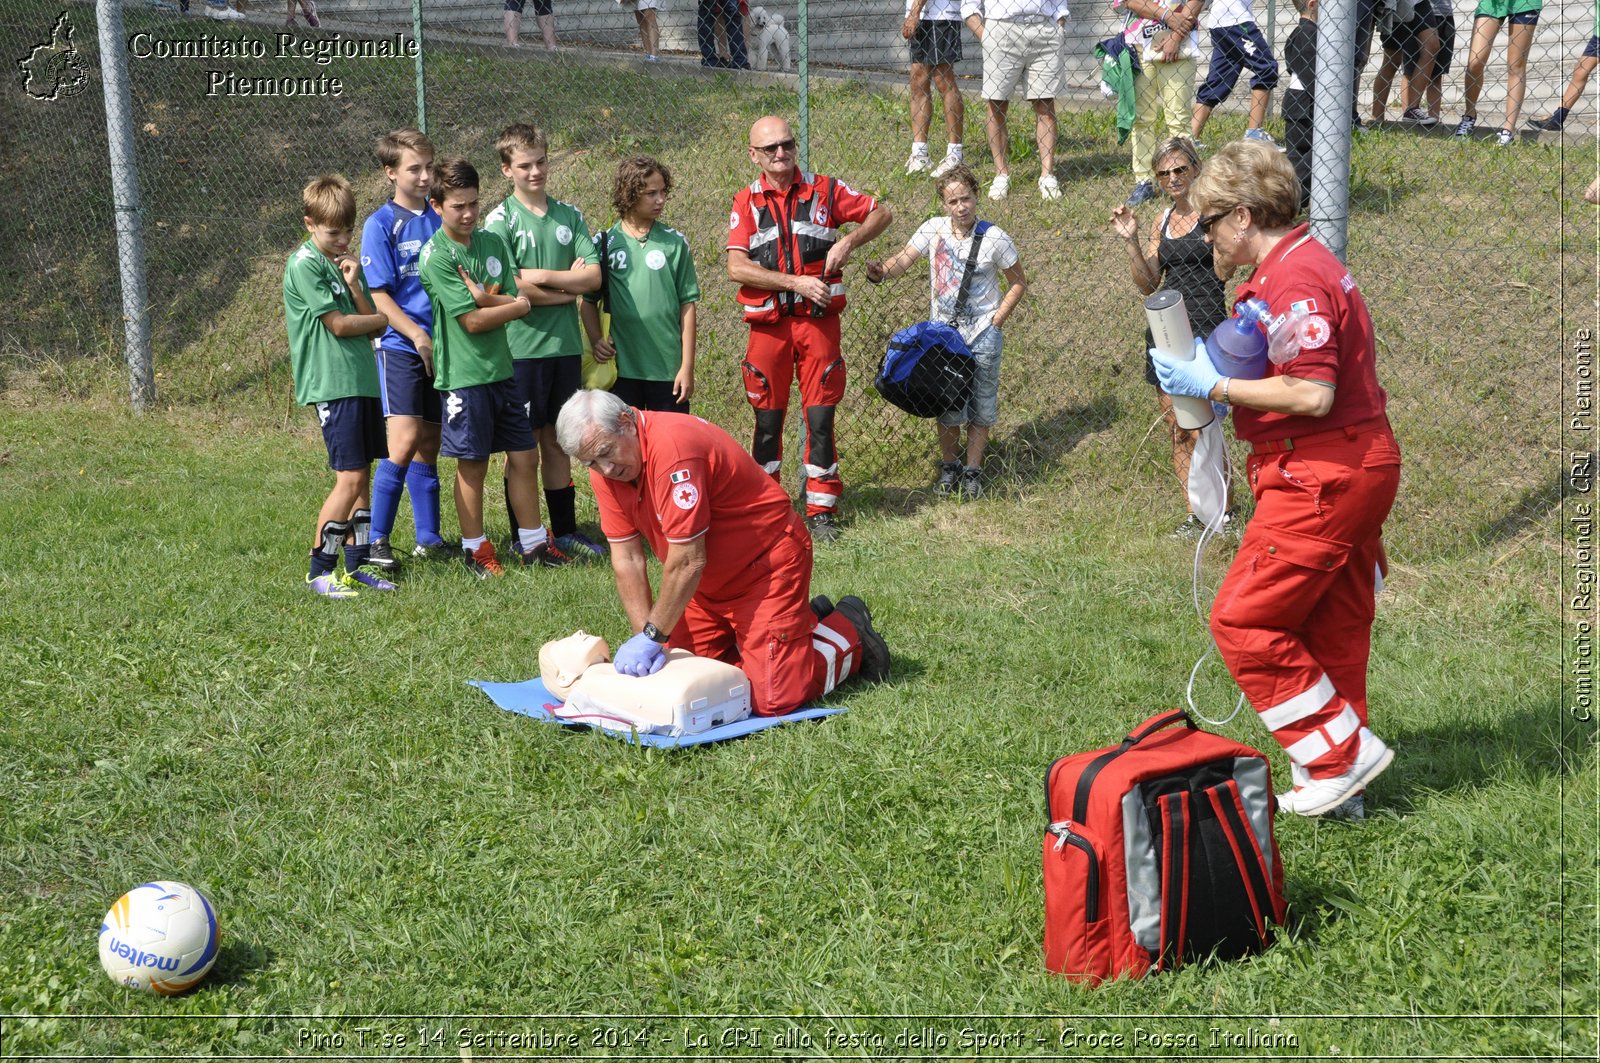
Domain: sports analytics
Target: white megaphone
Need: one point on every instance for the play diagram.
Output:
(1172, 336)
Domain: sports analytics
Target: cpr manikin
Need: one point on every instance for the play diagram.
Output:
(687, 696)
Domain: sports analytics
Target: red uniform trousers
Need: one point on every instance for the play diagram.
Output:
(777, 351)
(1293, 617)
(769, 631)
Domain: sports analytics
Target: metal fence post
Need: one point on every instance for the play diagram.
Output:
(422, 84)
(1330, 126)
(804, 117)
(125, 202)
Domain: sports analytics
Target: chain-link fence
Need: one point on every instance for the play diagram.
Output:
(1469, 252)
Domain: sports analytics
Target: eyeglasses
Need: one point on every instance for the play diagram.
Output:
(1207, 221)
(769, 150)
(1176, 171)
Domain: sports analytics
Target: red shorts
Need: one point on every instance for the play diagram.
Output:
(778, 351)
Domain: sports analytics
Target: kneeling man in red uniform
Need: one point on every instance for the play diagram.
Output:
(736, 557)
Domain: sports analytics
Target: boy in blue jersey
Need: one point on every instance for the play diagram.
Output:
(556, 264)
(391, 242)
(331, 321)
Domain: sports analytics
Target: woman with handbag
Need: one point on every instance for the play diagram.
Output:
(966, 258)
(1175, 255)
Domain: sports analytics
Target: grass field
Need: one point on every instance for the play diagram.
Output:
(380, 840)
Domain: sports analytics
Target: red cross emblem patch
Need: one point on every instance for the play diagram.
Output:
(685, 495)
(1315, 332)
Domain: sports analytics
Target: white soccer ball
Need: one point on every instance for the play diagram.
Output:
(160, 937)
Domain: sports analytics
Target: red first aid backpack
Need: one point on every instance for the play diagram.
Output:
(1158, 851)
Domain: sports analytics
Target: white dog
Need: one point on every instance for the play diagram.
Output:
(772, 36)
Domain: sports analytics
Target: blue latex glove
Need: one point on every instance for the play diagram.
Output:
(640, 655)
(1193, 378)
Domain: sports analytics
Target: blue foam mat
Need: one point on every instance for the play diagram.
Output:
(530, 698)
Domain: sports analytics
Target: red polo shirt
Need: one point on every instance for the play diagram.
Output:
(695, 480)
(1336, 340)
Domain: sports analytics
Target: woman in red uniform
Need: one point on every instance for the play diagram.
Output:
(1293, 617)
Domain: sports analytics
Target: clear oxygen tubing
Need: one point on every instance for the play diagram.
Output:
(1211, 531)
(1170, 329)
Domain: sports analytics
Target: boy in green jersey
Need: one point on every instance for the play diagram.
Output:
(651, 293)
(555, 264)
(468, 276)
(331, 322)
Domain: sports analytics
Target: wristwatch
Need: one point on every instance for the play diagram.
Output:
(654, 634)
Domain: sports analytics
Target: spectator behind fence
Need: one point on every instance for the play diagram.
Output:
(714, 18)
(735, 558)
(1175, 256)
(305, 5)
(651, 292)
(933, 28)
(787, 255)
(1299, 98)
(1024, 44)
(1165, 41)
(1410, 34)
(331, 322)
(1236, 45)
(644, 13)
(947, 243)
(543, 12)
(1580, 78)
(1522, 18)
(1293, 617)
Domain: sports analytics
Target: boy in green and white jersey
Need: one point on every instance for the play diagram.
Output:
(469, 278)
(331, 322)
(651, 292)
(555, 265)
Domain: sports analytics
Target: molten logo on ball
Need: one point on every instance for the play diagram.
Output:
(160, 937)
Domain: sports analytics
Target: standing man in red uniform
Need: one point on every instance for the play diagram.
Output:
(787, 255)
(1293, 617)
(736, 559)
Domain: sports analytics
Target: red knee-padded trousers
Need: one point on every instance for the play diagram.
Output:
(1293, 617)
(778, 352)
(769, 631)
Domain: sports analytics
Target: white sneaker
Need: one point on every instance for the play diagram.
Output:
(1313, 797)
(918, 164)
(223, 14)
(948, 163)
(1000, 187)
(1049, 187)
(1354, 807)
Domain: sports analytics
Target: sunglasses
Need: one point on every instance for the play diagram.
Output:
(772, 149)
(1176, 171)
(1207, 221)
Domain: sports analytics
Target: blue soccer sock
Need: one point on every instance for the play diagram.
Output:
(387, 485)
(322, 563)
(422, 480)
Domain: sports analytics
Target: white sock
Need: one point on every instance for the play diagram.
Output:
(953, 150)
(919, 149)
(532, 538)
(470, 545)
